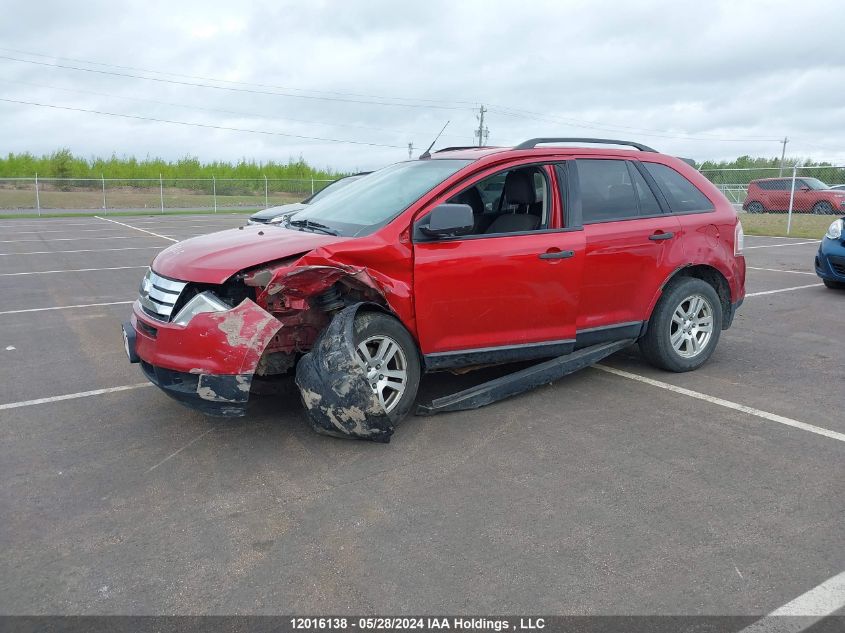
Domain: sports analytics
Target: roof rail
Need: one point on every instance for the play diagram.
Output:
(457, 147)
(532, 143)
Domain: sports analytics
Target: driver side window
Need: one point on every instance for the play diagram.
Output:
(510, 201)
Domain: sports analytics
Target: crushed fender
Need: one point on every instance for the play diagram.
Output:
(334, 389)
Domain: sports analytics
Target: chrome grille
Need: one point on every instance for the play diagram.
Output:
(159, 294)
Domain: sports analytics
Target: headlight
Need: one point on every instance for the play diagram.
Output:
(278, 219)
(203, 302)
(834, 231)
(739, 239)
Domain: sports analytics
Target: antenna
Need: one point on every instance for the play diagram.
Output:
(427, 153)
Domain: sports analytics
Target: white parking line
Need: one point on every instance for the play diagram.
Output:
(777, 245)
(71, 270)
(774, 292)
(109, 228)
(781, 270)
(83, 250)
(81, 305)
(772, 417)
(164, 237)
(79, 239)
(71, 396)
(807, 609)
(770, 237)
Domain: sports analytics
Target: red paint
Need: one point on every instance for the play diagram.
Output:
(215, 257)
(451, 295)
(777, 199)
(229, 342)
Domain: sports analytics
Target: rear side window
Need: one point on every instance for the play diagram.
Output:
(680, 193)
(610, 191)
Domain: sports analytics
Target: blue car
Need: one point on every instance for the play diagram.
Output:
(830, 260)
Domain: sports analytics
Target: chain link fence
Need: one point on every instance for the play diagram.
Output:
(19, 196)
(796, 189)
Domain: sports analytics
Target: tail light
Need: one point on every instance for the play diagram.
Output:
(739, 239)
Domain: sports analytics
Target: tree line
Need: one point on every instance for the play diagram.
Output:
(64, 164)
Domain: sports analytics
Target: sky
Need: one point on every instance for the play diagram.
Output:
(705, 80)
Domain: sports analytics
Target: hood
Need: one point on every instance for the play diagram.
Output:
(272, 212)
(215, 257)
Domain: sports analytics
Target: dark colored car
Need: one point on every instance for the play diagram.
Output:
(277, 214)
(584, 251)
(830, 260)
(811, 196)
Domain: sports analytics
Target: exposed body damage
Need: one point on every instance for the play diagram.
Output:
(334, 387)
(208, 365)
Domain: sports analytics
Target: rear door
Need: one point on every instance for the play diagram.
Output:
(632, 245)
(498, 296)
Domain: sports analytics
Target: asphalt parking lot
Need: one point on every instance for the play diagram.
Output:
(600, 494)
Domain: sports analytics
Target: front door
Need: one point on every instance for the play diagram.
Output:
(512, 286)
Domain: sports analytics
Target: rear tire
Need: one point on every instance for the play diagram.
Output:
(835, 285)
(685, 326)
(756, 207)
(386, 351)
(823, 207)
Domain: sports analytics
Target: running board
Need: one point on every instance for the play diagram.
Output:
(522, 380)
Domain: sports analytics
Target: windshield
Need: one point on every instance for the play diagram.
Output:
(332, 186)
(374, 200)
(815, 183)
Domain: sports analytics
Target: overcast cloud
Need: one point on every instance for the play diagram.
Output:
(685, 77)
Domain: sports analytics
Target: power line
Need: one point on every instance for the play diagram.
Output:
(230, 88)
(617, 128)
(219, 110)
(202, 125)
(240, 83)
(368, 99)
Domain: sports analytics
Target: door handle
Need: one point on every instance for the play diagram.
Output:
(557, 255)
(656, 237)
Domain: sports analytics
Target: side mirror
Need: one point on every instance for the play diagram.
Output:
(448, 220)
(804, 188)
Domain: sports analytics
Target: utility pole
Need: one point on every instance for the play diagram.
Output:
(410, 150)
(482, 132)
(783, 155)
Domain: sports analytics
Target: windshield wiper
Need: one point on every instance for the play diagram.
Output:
(314, 226)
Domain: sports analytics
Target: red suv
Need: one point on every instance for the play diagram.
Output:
(465, 257)
(811, 196)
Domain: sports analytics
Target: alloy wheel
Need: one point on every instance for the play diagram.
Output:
(386, 367)
(691, 327)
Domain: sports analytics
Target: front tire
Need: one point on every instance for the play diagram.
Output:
(685, 326)
(386, 352)
(756, 207)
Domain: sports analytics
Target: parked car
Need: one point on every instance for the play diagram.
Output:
(830, 260)
(277, 214)
(585, 251)
(811, 196)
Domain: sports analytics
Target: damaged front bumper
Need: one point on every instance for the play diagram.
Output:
(207, 364)
(224, 396)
